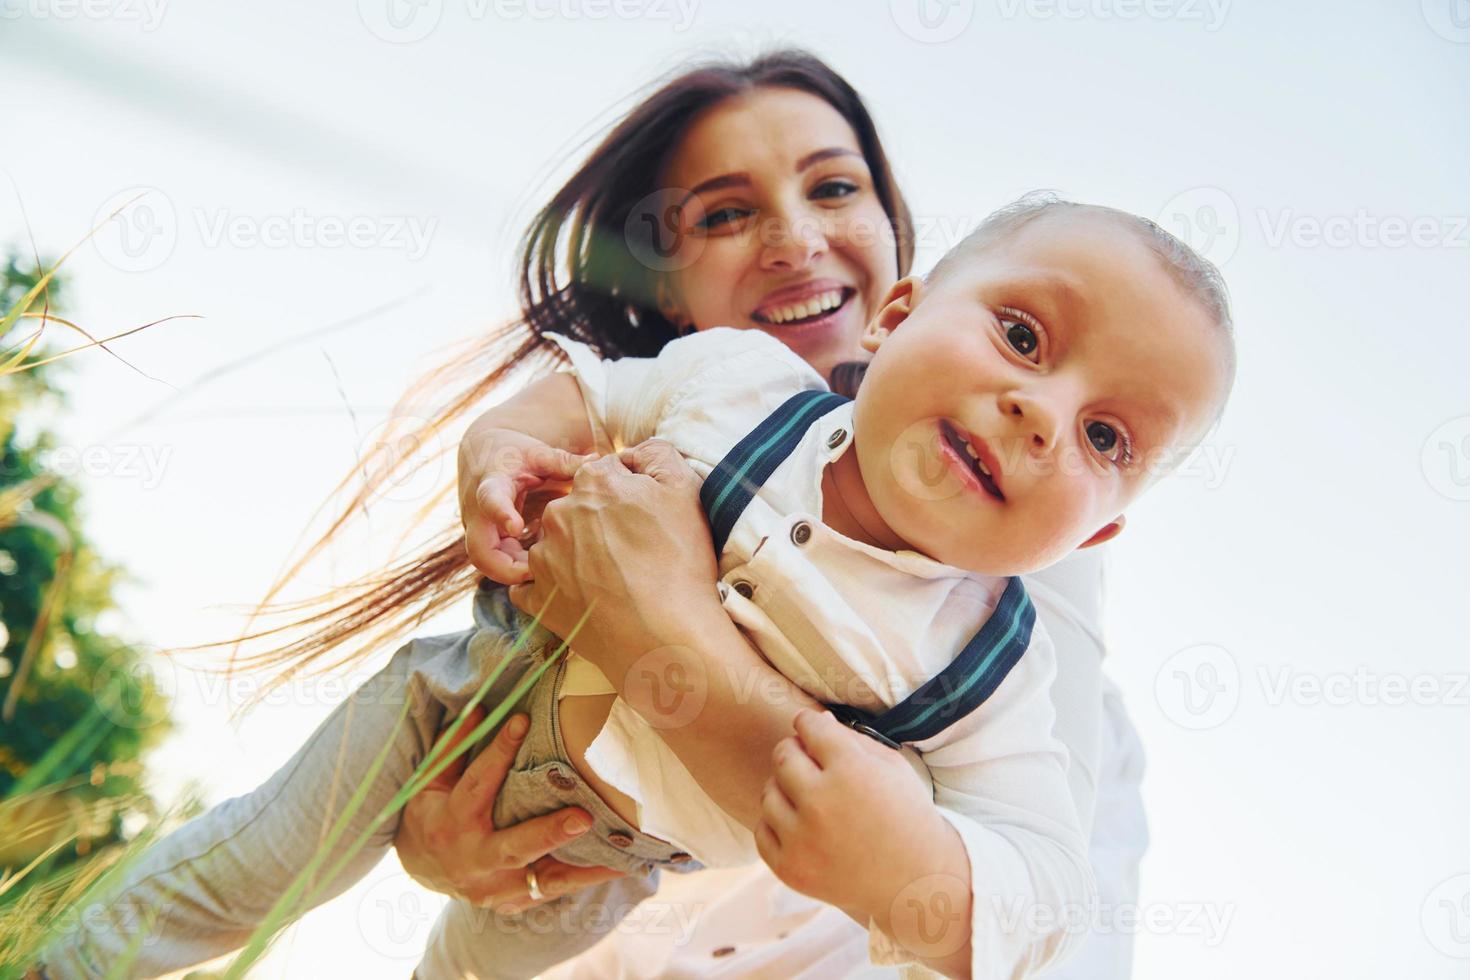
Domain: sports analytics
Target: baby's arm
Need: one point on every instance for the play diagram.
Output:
(849, 821)
(1009, 904)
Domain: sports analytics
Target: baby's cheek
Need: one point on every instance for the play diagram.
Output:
(1058, 527)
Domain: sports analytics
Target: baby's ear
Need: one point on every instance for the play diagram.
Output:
(1108, 532)
(895, 308)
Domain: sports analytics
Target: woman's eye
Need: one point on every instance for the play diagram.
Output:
(1021, 337)
(1104, 439)
(834, 188)
(721, 217)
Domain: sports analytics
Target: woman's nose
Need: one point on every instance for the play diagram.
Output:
(794, 242)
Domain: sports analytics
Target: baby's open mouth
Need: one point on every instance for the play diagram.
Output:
(808, 310)
(968, 452)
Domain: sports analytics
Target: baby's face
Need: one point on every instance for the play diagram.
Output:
(1066, 359)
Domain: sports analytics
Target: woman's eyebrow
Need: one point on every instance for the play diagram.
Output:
(817, 156)
(719, 183)
(742, 179)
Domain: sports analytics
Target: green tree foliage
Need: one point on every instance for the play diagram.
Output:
(81, 708)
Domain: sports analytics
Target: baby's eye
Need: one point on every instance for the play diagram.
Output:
(1020, 336)
(1104, 439)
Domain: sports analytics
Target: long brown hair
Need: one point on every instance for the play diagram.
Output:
(579, 276)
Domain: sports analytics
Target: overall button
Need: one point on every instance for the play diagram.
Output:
(680, 858)
(620, 839)
(722, 951)
(835, 439)
(801, 533)
(745, 589)
(561, 779)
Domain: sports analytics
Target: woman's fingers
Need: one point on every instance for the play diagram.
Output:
(474, 795)
(660, 460)
(530, 840)
(526, 595)
(555, 879)
(447, 779)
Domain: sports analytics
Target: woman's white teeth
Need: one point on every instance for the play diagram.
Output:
(800, 311)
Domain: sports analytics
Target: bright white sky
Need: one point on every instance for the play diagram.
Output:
(1307, 571)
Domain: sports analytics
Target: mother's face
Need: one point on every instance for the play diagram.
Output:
(787, 234)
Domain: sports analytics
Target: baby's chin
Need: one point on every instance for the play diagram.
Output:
(996, 563)
(1004, 560)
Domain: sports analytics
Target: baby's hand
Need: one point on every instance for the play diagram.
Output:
(498, 470)
(841, 815)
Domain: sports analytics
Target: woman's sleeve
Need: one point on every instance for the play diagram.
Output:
(200, 892)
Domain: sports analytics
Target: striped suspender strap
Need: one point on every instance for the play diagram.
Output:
(745, 469)
(951, 694)
(962, 686)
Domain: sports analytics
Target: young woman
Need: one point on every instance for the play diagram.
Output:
(780, 231)
(802, 207)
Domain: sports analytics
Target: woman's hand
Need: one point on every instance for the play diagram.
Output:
(447, 842)
(630, 545)
(630, 550)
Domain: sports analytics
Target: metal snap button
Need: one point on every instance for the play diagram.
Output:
(680, 858)
(561, 779)
(723, 951)
(619, 839)
(801, 533)
(745, 589)
(835, 439)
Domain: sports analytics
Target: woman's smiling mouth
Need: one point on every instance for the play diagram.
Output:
(805, 305)
(971, 458)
